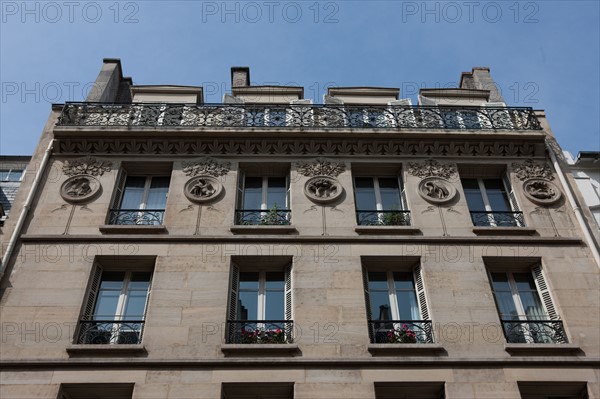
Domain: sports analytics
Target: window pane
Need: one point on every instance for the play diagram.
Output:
(390, 194)
(134, 192)
(249, 281)
(248, 305)
(473, 195)
(497, 195)
(139, 281)
(157, 196)
(112, 280)
(275, 281)
(506, 304)
(524, 282)
(4, 174)
(378, 281)
(380, 305)
(274, 306)
(404, 281)
(15, 175)
(253, 193)
(276, 193)
(106, 305)
(407, 304)
(135, 304)
(365, 194)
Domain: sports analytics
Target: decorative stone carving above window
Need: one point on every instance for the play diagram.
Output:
(541, 191)
(207, 166)
(323, 189)
(431, 168)
(530, 170)
(321, 167)
(436, 190)
(80, 189)
(86, 166)
(202, 189)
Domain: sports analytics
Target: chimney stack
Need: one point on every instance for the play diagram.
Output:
(480, 79)
(240, 76)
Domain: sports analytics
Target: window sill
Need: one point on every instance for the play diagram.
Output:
(385, 230)
(543, 349)
(406, 349)
(263, 229)
(504, 231)
(106, 350)
(132, 229)
(260, 350)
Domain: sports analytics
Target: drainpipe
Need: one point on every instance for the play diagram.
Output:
(17, 232)
(584, 227)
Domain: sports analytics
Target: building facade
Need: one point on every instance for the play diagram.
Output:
(12, 169)
(585, 169)
(267, 247)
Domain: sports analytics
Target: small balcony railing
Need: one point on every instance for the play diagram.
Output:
(263, 217)
(136, 216)
(260, 331)
(498, 219)
(401, 331)
(107, 332)
(298, 116)
(383, 218)
(534, 331)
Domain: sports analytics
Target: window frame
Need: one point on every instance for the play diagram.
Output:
(10, 171)
(510, 199)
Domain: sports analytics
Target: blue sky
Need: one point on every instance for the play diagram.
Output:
(543, 54)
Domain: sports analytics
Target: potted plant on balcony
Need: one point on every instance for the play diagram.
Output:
(402, 335)
(394, 218)
(263, 336)
(273, 217)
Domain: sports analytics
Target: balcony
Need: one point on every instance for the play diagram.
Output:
(108, 332)
(132, 217)
(534, 331)
(497, 219)
(260, 331)
(298, 116)
(401, 331)
(263, 217)
(383, 218)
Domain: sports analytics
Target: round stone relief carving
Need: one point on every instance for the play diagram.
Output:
(82, 188)
(436, 190)
(323, 189)
(541, 191)
(202, 189)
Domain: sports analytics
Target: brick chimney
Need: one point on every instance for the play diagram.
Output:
(240, 76)
(480, 79)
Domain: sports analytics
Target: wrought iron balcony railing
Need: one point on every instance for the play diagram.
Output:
(107, 332)
(298, 116)
(534, 331)
(136, 216)
(260, 331)
(383, 218)
(498, 219)
(264, 217)
(400, 331)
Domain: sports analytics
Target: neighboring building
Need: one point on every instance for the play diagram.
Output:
(586, 172)
(268, 247)
(12, 170)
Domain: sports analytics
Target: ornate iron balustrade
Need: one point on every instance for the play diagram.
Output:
(260, 331)
(136, 216)
(264, 217)
(383, 218)
(534, 331)
(401, 331)
(106, 332)
(498, 219)
(298, 116)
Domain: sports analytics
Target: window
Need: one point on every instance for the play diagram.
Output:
(261, 304)
(492, 202)
(396, 306)
(409, 390)
(263, 200)
(103, 390)
(139, 199)
(526, 310)
(553, 390)
(380, 201)
(256, 390)
(116, 306)
(11, 174)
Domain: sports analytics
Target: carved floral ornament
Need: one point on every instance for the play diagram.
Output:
(436, 190)
(530, 170)
(86, 166)
(431, 168)
(207, 166)
(321, 167)
(323, 189)
(202, 189)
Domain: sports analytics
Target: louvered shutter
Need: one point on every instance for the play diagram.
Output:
(240, 196)
(233, 314)
(512, 199)
(422, 300)
(288, 197)
(143, 326)
(557, 331)
(90, 303)
(365, 275)
(117, 195)
(288, 293)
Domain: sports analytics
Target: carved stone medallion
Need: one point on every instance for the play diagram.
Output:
(541, 191)
(436, 190)
(80, 189)
(202, 189)
(323, 189)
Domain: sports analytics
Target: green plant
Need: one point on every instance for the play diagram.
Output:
(273, 217)
(394, 218)
(402, 335)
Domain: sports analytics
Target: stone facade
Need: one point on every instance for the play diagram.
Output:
(186, 349)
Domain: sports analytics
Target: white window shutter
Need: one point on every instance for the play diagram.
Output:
(544, 292)
(233, 293)
(417, 274)
(403, 198)
(119, 189)
(95, 281)
(289, 309)
(240, 188)
(288, 191)
(365, 276)
(511, 193)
